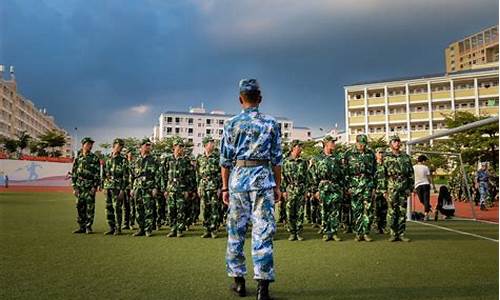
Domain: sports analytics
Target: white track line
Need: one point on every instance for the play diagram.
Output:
(481, 221)
(457, 231)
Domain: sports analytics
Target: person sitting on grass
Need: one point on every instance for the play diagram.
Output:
(445, 204)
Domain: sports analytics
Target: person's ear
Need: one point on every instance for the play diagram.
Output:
(260, 99)
(241, 100)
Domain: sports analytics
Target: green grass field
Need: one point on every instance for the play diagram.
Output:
(41, 259)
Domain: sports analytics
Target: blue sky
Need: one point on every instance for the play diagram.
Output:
(110, 67)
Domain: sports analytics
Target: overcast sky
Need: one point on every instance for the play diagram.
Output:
(110, 67)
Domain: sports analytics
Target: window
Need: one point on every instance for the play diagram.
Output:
(190, 140)
(190, 131)
(169, 120)
(221, 122)
(190, 121)
(169, 130)
(221, 131)
(208, 131)
(358, 96)
(177, 130)
(177, 120)
(209, 121)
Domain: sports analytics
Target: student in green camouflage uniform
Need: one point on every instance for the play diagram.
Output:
(315, 206)
(328, 178)
(85, 180)
(116, 178)
(380, 210)
(193, 203)
(176, 183)
(399, 181)
(147, 182)
(295, 181)
(129, 201)
(360, 175)
(209, 183)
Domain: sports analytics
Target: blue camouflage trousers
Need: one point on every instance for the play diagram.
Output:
(483, 192)
(258, 208)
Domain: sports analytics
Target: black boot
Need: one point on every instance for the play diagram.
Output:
(238, 286)
(263, 290)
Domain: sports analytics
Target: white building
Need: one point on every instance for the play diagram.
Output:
(196, 123)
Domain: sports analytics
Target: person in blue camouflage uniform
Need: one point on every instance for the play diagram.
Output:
(482, 185)
(380, 209)
(328, 179)
(146, 185)
(85, 180)
(295, 182)
(177, 172)
(400, 179)
(209, 184)
(251, 159)
(116, 178)
(360, 176)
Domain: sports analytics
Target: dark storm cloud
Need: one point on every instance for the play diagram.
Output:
(93, 63)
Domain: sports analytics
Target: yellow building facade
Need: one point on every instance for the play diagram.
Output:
(416, 107)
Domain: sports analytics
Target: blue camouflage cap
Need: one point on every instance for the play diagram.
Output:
(249, 86)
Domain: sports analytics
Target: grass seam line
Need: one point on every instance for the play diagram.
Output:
(481, 221)
(457, 231)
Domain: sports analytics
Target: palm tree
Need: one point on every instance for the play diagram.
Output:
(54, 139)
(23, 140)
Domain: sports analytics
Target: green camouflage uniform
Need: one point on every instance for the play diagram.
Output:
(177, 181)
(399, 182)
(129, 201)
(116, 177)
(84, 178)
(193, 203)
(295, 181)
(209, 182)
(360, 172)
(328, 178)
(314, 215)
(146, 177)
(380, 201)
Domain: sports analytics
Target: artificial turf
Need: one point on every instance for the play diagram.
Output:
(41, 259)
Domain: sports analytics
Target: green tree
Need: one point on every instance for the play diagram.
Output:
(105, 147)
(378, 143)
(478, 144)
(54, 139)
(23, 140)
(38, 147)
(10, 145)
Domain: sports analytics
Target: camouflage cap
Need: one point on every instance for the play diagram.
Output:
(362, 139)
(145, 141)
(118, 141)
(380, 149)
(295, 143)
(87, 140)
(394, 138)
(329, 138)
(178, 142)
(207, 140)
(249, 86)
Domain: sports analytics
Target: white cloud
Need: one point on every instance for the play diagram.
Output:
(140, 109)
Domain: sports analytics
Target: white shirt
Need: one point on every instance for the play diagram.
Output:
(421, 173)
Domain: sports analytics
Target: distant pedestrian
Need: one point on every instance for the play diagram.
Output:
(482, 184)
(445, 204)
(423, 182)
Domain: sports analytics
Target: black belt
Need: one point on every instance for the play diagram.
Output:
(252, 163)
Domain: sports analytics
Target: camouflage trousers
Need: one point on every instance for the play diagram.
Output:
(346, 213)
(330, 209)
(128, 209)
(211, 209)
(484, 192)
(177, 210)
(380, 212)
(295, 209)
(396, 211)
(85, 207)
(361, 207)
(161, 210)
(114, 203)
(146, 205)
(282, 212)
(256, 207)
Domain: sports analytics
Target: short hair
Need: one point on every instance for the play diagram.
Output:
(251, 96)
(421, 158)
